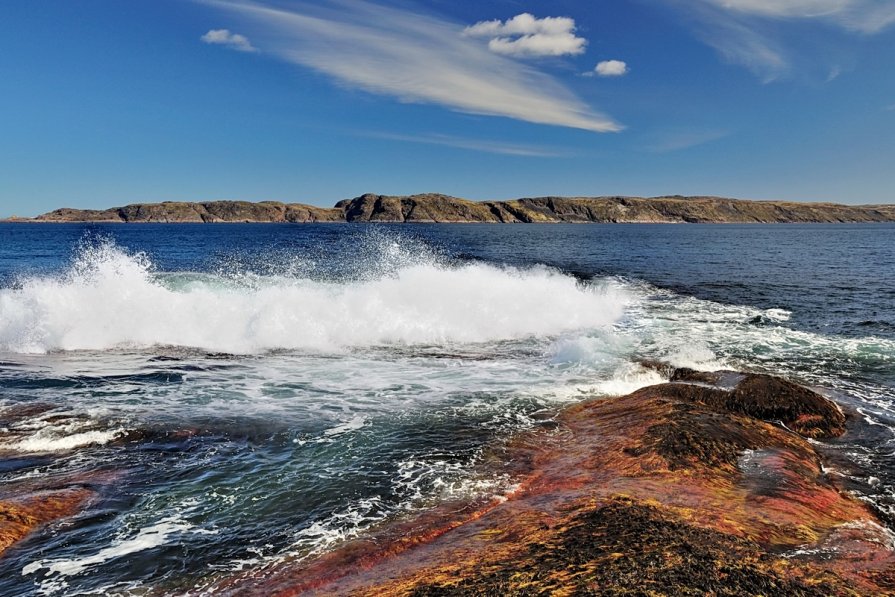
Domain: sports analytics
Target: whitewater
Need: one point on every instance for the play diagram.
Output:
(111, 299)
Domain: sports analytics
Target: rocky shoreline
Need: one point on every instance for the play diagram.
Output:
(710, 483)
(433, 207)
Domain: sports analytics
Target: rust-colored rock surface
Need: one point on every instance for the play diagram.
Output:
(676, 489)
(22, 514)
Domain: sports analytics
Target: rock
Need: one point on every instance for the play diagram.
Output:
(667, 491)
(692, 375)
(804, 411)
(761, 396)
(627, 546)
(22, 514)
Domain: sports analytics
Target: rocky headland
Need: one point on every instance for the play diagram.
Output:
(434, 207)
(710, 483)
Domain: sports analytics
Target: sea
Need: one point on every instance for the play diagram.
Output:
(243, 395)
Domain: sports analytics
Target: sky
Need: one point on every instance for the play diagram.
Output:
(104, 102)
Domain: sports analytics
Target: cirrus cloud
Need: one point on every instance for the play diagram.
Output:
(525, 35)
(865, 16)
(752, 33)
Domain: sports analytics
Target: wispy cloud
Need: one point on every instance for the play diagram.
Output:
(736, 39)
(750, 32)
(611, 68)
(225, 37)
(679, 139)
(413, 57)
(865, 16)
(482, 145)
(525, 35)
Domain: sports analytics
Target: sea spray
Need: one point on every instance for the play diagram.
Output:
(111, 298)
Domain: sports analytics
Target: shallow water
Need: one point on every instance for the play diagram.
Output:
(243, 394)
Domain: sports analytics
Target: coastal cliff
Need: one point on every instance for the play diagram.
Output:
(433, 207)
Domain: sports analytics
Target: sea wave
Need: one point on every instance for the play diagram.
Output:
(110, 298)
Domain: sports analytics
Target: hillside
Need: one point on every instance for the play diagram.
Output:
(443, 208)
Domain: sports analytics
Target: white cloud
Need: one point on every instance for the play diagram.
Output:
(414, 58)
(611, 68)
(525, 35)
(225, 37)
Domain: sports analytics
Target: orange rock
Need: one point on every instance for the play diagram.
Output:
(21, 515)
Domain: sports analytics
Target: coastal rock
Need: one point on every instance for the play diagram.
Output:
(764, 397)
(22, 514)
(804, 411)
(666, 491)
(435, 207)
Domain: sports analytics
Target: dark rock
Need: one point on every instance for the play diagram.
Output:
(804, 411)
(692, 435)
(629, 547)
(760, 396)
(692, 375)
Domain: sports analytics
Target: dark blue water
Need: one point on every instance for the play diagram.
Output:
(234, 395)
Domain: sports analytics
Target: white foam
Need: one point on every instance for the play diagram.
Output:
(629, 381)
(111, 299)
(149, 537)
(146, 538)
(352, 425)
(50, 440)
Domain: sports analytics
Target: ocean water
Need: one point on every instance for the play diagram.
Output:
(243, 395)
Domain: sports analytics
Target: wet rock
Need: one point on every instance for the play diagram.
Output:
(630, 547)
(661, 367)
(23, 514)
(693, 436)
(692, 375)
(764, 397)
(671, 490)
(804, 411)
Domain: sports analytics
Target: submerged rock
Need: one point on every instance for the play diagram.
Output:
(23, 514)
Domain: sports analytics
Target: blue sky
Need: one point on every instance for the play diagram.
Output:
(106, 102)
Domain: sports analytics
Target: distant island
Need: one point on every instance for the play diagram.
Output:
(433, 207)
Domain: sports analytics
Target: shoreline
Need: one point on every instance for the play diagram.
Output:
(677, 488)
(710, 482)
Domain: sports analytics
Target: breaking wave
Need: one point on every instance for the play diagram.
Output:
(110, 298)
